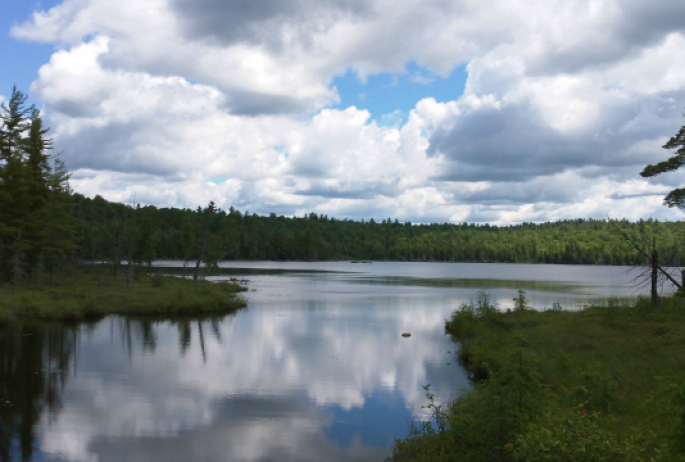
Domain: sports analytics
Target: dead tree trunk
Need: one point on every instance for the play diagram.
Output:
(655, 273)
(653, 259)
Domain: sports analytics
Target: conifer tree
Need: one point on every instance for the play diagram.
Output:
(13, 185)
(675, 198)
(14, 116)
(35, 217)
(58, 222)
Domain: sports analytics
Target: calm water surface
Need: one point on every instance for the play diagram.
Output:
(314, 369)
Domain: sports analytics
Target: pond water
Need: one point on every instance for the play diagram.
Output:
(314, 369)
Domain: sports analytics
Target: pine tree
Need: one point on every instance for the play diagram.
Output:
(40, 184)
(36, 221)
(675, 198)
(58, 219)
(13, 185)
(14, 123)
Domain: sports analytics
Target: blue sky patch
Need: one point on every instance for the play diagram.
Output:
(390, 96)
(383, 418)
(22, 57)
(281, 149)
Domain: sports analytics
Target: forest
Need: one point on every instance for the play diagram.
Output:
(45, 226)
(111, 232)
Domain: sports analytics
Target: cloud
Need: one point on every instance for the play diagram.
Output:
(265, 22)
(162, 97)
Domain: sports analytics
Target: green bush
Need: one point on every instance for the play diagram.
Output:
(556, 306)
(521, 302)
(674, 395)
(462, 322)
(598, 392)
(476, 426)
(580, 437)
(483, 306)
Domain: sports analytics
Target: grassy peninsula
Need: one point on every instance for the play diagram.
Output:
(601, 384)
(82, 295)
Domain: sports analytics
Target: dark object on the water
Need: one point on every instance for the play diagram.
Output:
(406, 334)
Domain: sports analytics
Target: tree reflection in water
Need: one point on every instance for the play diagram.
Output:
(37, 359)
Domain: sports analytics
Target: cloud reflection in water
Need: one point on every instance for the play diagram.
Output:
(314, 369)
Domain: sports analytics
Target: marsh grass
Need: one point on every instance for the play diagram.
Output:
(83, 295)
(612, 381)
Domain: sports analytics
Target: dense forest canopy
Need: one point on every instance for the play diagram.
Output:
(45, 226)
(213, 234)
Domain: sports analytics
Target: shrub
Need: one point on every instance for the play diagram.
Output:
(462, 322)
(483, 305)
(556, 306)
(580, 437)
(612, 307)
(598, 392)
(478, 425)
(675, 395)
(521, 302)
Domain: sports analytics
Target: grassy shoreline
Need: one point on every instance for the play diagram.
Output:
(601, 384)
(83, 295)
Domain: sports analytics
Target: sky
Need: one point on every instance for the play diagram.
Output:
(498, 111)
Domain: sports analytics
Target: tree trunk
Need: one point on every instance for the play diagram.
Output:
(655, 273)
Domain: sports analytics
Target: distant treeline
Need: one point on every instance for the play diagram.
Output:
(115, 232)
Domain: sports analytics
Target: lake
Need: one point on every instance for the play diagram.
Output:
(314, 369)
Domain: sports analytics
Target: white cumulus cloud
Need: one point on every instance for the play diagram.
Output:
(180, 102)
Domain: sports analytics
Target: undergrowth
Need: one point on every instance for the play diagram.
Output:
(606, 383)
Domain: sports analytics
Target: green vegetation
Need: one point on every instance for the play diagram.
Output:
(675, 198)
(83, 295)
(152, 233)
(601, 384)
(37, 220)
(43, 237)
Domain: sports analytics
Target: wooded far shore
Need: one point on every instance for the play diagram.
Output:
(110, 231)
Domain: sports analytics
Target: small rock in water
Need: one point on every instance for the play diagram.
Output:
(406, 334)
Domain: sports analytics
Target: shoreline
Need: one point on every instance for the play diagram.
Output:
(548, 384)
(85, 296)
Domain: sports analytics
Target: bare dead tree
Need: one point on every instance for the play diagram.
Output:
(654, 274)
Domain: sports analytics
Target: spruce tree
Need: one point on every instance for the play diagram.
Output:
(57, 218)
(13, 185)
(675, 198)
(36, 226)
(14, 117)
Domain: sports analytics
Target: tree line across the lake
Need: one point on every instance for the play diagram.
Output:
(110, 231)
(45, 226)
